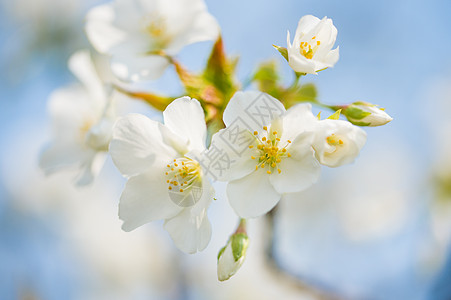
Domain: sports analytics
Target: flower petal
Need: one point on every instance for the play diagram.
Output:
(353, 138)
(253, 109)
(229, 156)
(137, 145)
(202, 27)
(298, 119)
(59, 155)
(100, 30)
(253, 195)
(306, 24)
(82, 66)
(190, 229)
(90, 168)
(185, 117)
(138, 67)
(299, 171)
(145, 199)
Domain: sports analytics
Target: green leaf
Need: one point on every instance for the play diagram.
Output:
(319, 116)
(220, 70)
(282, 50)
(308, 91)
(266, 76)
(335, 116)
(240, 241)
(355, 113)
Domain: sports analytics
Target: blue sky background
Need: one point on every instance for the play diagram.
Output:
(393, 53)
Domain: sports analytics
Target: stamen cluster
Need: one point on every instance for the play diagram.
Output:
(269, 151)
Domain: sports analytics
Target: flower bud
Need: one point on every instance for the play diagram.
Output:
(366, 114)
(231, 257)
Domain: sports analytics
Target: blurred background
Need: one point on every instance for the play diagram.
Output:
(377, 229)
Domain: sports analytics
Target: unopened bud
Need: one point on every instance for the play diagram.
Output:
(231, 257)
(366, 114)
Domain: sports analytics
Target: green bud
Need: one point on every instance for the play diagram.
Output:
(231, 257)
(366, 114)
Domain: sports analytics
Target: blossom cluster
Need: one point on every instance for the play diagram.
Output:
(265, 144)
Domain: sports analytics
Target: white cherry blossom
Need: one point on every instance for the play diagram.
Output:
(278, 156)
(165, 181)
(337, 142)
(134, 32)
(82, 119)
(311, 50)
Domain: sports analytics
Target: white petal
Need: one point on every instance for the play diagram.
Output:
(90, 168)
(229, 156)
(100, 30)
(297, 119)
(299, 171)
(185, 117)
(139, 67)
(353, 139)
(252, 109)
(81, 65)
(203, 27)
(59, 155)
(146, 198)
(137, 145)
(72, 110)
(300, 64)
(178, 143)
(191, 230)
(306, 24)
(253, 195)
(332, 57)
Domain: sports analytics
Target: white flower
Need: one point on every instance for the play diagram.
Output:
(231, 257)
(337, 142)
(134, 31)
(311, 50)
(82, 122)
(165, 181)
(366, 114)
(277, 157)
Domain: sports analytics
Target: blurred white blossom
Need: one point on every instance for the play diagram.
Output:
(82, 117)
(136, 32)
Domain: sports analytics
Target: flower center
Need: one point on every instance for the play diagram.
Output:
(270, 153)
(307, 50)
(155, 26)
(334, 140)
(183, 176)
